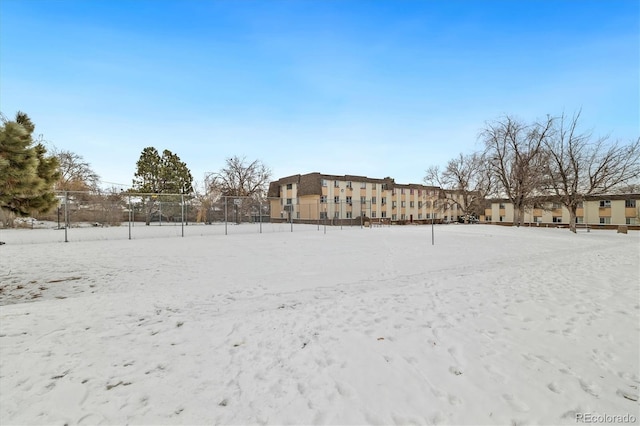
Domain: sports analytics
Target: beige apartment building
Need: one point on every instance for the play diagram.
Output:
(315, 196)
(600, 211)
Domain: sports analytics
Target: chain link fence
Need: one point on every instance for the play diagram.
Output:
(112, 215)
(104, 215)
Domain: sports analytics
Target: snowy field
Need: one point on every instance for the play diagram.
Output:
(492, 325)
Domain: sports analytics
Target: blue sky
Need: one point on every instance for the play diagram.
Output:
(374, 88)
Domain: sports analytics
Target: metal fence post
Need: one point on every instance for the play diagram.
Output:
(66, 215)
(130, 216)
(182, 212)
(225, 215)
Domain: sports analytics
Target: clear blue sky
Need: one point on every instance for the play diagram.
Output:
(376, 88)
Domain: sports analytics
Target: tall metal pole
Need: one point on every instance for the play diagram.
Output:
(225, 215)
(66, 215)
(325, 219)
(432, 232)
(260, 214)
(130, 216)
(182, 211)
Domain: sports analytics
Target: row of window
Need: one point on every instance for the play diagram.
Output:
(557, 219)
(383, 215)
(363, 185)
(374, 200)
(603, 204)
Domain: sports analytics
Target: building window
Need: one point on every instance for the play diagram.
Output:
(394, 204)
(631, 221)
(556, 206)
(579, 219)
(324, 182)
(501, 218)
(349, 200)
(630, 203)
(411, 192)
(384, 200)
(536, 219)
(557, 219)
(363, 185)
(297, 215)
(580, 205)
(373, 186)
(411, 204)
(373, 213)
(323, 215)
(394, 217)
(403, 204)
(488, 218)
(363, 200)
(402, 191)
(336, 199)
(605, 203)
(419, 215)
(403, 217)
(336, 184)
(419, 204)
(373, 200)
(383, 214)
(501, 206)
(349, 185)
(289, 186)
(289, 201)
(605, 220)
(349, 215)
(323, 198)
(336, 215)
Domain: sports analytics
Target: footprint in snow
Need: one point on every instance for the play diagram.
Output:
(515, 403)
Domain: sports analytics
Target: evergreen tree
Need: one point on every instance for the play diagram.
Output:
(27, 174)
(165, 174)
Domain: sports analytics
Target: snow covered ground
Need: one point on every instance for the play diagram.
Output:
(492, 325)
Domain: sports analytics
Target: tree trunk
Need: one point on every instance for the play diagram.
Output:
(572, 218)
(517, 215)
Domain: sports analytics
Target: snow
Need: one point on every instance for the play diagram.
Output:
(491, 325)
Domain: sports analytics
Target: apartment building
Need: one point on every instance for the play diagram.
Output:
(616, 209)
(315, 196)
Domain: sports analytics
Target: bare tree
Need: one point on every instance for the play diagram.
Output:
(579, 166)
(514, 151)
(242, 179)
(466, 180)
(75, 173)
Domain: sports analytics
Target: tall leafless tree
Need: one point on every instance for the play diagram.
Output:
(75, 173)
(579, 165)
(466, 181)
(514, 151)
(241, 178)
